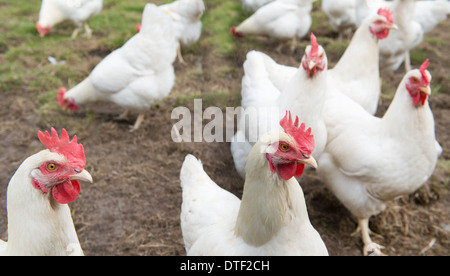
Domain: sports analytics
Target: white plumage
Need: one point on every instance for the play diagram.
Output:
(280, 19)
(138, 74)
(39, 220)
(429, 13)
(185, 15)
(341, 13)
(414, 19)
(269, 89)
(271, 219)
(369, 160)
(53, 12)
(253, 5)
(357, 73)
(394, 50)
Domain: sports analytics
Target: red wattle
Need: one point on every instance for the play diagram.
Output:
(66, 192)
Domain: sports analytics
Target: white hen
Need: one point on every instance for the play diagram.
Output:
(271, 219)
(265, 96)
(414, 19)
(357, 73)
(135, 76)
(429, 13)
(370, 160)
(185, 15)
(395, 49)
(53, 12)
(342, 15)
(281, 19)
(39, 219)
(253, 5)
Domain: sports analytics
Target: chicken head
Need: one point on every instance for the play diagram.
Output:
(418, 84)
(314, 59)
(61, 168)
(382, 24)
(289, 156)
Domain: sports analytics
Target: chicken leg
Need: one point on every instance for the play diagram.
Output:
(180, 57)
(138, 122)
(370, 248)
(407, 61)
(88, 31)
(75, 32)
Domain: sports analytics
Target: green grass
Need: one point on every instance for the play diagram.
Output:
(218, 19)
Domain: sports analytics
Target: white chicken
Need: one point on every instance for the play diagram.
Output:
(395, 49)
(430, 13)
(342, 15)
(39, 219)
(271, 219)
(368, 8)
(186, 15)
(253, 5)
(264, 98)
(370, 160)
(53, 12)
(135, 76)
(281, 20)
(357, 72)
(414, 19)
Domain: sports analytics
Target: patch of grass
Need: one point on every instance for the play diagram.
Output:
(418, 56)
(218, 19)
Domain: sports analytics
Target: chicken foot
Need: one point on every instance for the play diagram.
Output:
(88, 31)
(370, 248)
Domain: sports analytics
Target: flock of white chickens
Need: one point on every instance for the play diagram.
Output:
(328, 124)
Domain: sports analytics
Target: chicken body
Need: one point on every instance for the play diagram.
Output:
(187, 26)
(135, 76)
(280, 19)
(271, 219)
(429, 13)
(394, 50)
(53, 12)
(414, 19)
(357, 73)
(342, 15)
(39, 220)
(253, 5)
(370, 160)
(266, 96)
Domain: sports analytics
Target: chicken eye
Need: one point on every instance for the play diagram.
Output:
(415, 80)
(51, 166)
(284, 147)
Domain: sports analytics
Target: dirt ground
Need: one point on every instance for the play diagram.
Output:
(133, 206)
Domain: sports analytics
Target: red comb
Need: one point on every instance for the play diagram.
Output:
(423, 69)
(304, 138)
(73, 151)
(315, 47)
(386, 13)
(236, 33)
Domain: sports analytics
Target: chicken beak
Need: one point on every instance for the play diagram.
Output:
(426, 90)
(84, 176)
(310, 161)
(393, 27)
(311, 65)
